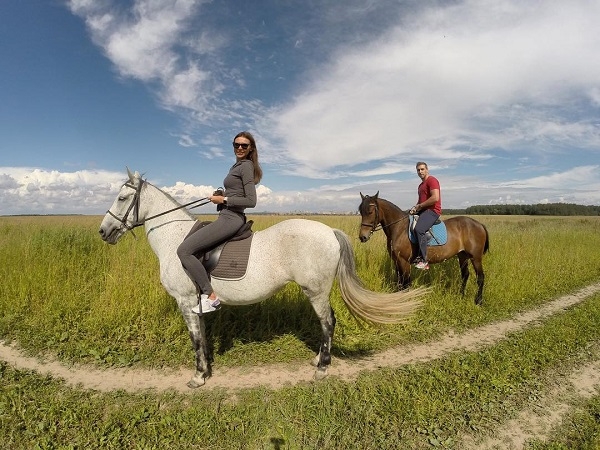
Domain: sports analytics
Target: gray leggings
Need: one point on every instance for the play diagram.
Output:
(226, 225)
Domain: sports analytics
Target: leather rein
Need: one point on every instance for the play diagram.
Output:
(135, 206)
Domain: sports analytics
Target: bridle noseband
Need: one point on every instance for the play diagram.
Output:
(376, 226)
(135, 205)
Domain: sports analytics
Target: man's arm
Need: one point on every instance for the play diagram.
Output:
(433, 198)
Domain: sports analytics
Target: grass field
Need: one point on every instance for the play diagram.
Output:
(67, 294)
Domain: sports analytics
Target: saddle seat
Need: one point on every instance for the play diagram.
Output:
(436, 235)
(232, 253)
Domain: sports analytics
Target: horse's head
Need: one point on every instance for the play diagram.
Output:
(369, 211)
(124, 214)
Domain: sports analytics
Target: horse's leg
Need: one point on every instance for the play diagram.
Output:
(478, 266)
(320, 303)
(403, 273)
(197, 330)
(463, 263)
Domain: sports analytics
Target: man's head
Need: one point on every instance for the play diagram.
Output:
(422, 170)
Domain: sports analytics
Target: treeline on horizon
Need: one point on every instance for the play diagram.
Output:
(545, 209)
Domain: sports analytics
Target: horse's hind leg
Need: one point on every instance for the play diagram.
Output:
(478, 266)
(463, 263)
(322, 360)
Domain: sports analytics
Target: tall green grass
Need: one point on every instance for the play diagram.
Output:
(66, 292)
(426, 405)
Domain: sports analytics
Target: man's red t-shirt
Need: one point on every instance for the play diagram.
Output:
(425, 192)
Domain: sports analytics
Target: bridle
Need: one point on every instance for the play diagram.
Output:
(376, 225)
(135, 207)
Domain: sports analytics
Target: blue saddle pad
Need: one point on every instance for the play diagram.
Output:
(438, 235)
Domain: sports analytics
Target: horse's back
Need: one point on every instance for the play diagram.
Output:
(466, 233)
(300, 250)
(292, 237)
(292, 228)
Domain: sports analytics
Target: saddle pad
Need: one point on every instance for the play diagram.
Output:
(233, 261)
(438, 232)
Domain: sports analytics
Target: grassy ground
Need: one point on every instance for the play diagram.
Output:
(66, 292)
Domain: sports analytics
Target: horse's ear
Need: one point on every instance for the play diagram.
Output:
(362, 196)
(129, 174)
(376, 195)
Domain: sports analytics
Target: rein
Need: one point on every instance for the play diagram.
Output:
(135, 205)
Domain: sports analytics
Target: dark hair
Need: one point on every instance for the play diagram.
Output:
(421, 163)
(252, 154)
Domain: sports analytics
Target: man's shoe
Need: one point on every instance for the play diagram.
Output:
(423, 265)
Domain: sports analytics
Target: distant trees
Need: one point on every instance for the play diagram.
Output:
(546, 209)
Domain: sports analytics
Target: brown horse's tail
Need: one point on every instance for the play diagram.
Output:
(486, 246)
(366, 305)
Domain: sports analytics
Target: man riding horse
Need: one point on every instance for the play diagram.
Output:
(428, 209)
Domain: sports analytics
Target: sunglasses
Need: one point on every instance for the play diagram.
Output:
(242, 146)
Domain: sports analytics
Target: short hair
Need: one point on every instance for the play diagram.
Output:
(421, 163)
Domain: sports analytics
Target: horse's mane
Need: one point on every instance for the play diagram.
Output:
(362, 209)
(393, 207)
(146, 183)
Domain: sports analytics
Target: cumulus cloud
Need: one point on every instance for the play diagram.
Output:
(463, 78)
(36, 191)
(507, 89)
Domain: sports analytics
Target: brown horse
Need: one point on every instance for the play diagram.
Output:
(467, 238)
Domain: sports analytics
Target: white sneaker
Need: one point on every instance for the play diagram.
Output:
(206, 305)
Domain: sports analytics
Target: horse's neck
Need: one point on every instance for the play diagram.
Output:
(167, 231)
(391, 216)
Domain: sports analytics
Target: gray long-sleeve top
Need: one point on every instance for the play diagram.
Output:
(239, 186)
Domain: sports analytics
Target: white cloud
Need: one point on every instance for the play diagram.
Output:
(447, 79)
(36, 191)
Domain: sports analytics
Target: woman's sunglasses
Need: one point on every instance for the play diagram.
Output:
(242, 146)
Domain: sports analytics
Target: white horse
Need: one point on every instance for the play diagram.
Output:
(304, 251)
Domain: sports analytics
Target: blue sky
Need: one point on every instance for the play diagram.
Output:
(501, 98)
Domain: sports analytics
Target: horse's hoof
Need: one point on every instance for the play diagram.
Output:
(320, 374)
(196, 382)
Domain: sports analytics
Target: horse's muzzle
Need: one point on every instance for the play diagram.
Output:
(110, 235)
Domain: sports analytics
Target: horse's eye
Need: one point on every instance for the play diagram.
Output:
(122, 198)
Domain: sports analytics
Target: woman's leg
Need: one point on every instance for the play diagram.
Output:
(207, 237)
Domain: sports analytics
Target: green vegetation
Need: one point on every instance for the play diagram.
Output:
(541, 209)
(580, 430)
(67, 293)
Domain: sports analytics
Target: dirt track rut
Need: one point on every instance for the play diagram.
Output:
(277, 375)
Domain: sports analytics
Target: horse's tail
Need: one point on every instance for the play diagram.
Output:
(366, 305)
(486, 246)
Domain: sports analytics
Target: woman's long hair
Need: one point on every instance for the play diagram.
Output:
(252, 154)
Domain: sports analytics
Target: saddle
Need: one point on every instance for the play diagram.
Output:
(228, 259)
(436, 235)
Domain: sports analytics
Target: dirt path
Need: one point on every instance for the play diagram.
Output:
(548, 411)
(278, 375)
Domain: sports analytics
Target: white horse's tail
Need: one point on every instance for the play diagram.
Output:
(366, 305)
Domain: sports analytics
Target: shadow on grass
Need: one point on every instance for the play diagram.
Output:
(264, 322)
